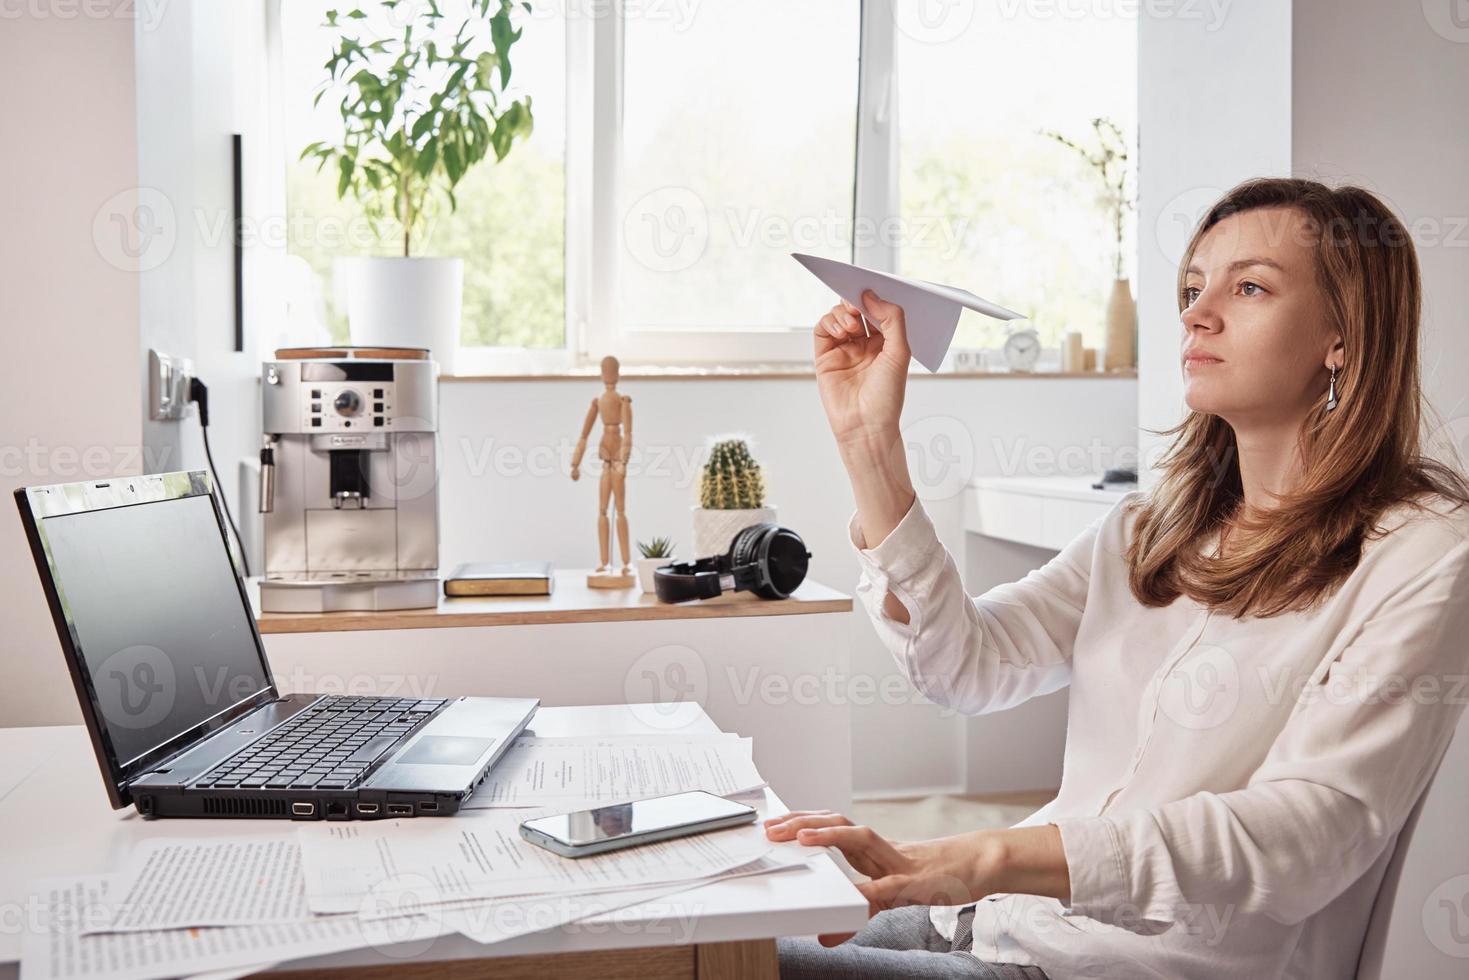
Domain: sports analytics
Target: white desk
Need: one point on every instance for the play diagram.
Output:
(1043, 512)
(55, 820)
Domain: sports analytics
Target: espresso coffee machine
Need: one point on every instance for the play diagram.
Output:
(349, 480)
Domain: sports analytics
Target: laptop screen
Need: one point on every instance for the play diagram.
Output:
(162, 628)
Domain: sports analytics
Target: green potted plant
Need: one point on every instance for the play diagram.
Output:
(418, 112)
(731, 497)
(655, 554)
(1109, 162)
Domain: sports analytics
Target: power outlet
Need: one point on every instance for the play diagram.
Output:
(168, 385)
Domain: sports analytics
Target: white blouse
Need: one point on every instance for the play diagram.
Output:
(1232, 788)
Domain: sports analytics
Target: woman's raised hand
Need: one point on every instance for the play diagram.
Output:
(862, 378)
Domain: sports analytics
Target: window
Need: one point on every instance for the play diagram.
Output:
(738, 147)
(682, 151)
(509, 226)
(987, 201)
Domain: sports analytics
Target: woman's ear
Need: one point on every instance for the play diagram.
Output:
(1336, 354)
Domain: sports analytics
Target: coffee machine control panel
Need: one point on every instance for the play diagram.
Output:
(348, 407)
(321, 397)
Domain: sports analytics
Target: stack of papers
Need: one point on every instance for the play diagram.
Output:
(236, 902)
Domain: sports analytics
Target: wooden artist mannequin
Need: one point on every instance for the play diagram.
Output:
(616, 444)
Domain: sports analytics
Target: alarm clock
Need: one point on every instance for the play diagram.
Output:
(1022, 350)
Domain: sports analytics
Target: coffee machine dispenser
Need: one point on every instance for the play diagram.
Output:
(349, 480)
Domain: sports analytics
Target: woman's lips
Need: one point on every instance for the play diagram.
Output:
(1200, 360)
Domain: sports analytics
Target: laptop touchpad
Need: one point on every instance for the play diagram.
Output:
(446, 750)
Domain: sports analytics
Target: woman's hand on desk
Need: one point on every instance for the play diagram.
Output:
(954, 870)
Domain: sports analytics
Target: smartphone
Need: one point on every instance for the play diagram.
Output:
(611, 828)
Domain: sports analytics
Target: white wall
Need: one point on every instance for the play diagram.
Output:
(1213, 109)
(68, 407)
(505, 494)
(201, 77)
(1379, 99)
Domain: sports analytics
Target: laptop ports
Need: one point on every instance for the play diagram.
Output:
(429, 807)
(400, 809)
(303, 809)
(367, 809)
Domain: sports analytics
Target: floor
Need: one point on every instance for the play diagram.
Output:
(939, 816)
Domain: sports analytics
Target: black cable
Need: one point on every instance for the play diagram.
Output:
(199, 394)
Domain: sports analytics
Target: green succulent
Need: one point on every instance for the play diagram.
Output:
(657, 548)
(731, 479)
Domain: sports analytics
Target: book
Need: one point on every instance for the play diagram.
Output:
(500, 578)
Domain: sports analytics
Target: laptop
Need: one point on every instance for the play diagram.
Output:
(185, 719)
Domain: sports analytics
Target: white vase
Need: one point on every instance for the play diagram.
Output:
(715, 529)
(645, 571)
(405, 302)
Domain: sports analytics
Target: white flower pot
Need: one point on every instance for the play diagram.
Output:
(405, 302)
(645, 571)
(715, 529)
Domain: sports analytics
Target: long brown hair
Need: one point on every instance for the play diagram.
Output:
(1359, 460)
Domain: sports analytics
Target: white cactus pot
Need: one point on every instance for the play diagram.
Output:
(715, 529)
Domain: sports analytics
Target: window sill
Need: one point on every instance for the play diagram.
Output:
(775, 372)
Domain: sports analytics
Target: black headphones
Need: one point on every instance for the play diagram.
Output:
(766, 559)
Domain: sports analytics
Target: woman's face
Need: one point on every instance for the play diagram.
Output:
(1256, 343)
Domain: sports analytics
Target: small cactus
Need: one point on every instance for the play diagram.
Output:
(657, 548)
(731, 479)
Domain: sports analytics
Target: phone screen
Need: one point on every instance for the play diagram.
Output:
(639, 817)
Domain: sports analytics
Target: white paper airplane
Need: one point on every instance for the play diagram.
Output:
(930, 309)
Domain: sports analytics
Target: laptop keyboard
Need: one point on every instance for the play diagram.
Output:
(331, 745)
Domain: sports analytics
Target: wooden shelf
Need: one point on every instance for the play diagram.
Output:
(570, 602)
(771, 373)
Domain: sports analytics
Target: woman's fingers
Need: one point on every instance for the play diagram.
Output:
(792, 824)
(866, 849)
(842, 322)
(890, 320)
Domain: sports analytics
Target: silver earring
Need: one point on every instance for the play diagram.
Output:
(1331, 393)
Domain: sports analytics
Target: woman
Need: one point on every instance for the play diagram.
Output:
(1262, 651)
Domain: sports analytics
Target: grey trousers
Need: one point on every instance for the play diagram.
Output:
(899, 944)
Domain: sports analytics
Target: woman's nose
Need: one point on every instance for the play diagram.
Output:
(1201, 315)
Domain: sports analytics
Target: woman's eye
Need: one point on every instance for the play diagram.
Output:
(1190, 295)
(1251, 288)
